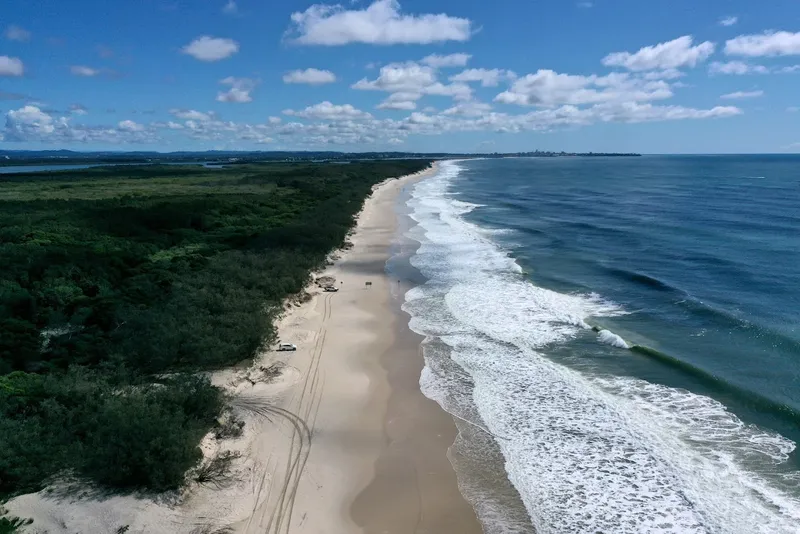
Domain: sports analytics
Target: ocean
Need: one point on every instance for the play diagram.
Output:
(618, 339)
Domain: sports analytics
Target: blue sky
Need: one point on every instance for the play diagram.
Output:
(425, 75)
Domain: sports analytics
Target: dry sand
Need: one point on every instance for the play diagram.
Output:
(340, 441)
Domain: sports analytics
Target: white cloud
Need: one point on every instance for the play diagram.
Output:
(412, 78)
(11, 66)
(403, 105)
(310, 76)
(585, 5)
(208, 48)
(468, 109)
(769, 43)
(230, 8)
(458, 91)
(81, 70)
(666, 74)
(453, 60)
(328, 111)
(670, 55)
(78, 109)
(728, 21)
(736, 67)
(32, 124)
(634, 112)
(275, 120)
(487, 77)
(191, 115)
(15, 33)
(395, 141)
(793, 109)
(130, 126)
(239, 92)
(401, 101)
(174, 125)
(380, 23)
(409, 77)
(789, 69)
(738, 95)
(548, 88)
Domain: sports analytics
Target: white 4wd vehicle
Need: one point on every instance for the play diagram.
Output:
(282, 347)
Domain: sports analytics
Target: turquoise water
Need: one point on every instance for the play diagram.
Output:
(626, 329)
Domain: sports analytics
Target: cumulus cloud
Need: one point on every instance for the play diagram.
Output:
(728, 21)
(401, 101)
(769, 43)
(78, 109)
(15, 33)
(130, 126)
(736, 67)
(191, 115)
(549, 88)
(11, 66)
(487, 77)
(82, 70)
(666, 74)
(397, 77)
(328, 111)
(412, 78)
(439, 62)
(239, 92)
(635, 112)
(673, 54)
(309, 76)
(468, 109)
(206, 48)
(739, 95)
(380, 23)
(32, 124)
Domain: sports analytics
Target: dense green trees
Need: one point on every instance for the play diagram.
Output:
(109, 278)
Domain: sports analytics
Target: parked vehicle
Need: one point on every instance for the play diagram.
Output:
(330, 289)
(282, 347)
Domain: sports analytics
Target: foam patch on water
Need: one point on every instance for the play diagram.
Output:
(610, 338)
(586, 453)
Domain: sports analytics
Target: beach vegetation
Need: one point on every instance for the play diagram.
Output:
(121, 286)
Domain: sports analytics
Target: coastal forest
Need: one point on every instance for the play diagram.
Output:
(120, 285)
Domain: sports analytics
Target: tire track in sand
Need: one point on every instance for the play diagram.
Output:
(302, 422)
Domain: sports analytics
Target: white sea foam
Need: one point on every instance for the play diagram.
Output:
(610, 338)
(586, 453)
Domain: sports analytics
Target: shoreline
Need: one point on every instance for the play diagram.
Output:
(414, 487)
(332, 431)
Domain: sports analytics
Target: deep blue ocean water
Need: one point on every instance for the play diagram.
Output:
(627, 330)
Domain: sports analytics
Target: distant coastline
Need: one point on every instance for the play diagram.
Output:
(69, 157)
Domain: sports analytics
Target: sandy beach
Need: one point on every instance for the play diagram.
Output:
(338, 437)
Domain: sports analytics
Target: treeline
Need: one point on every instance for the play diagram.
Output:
(113, 296)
